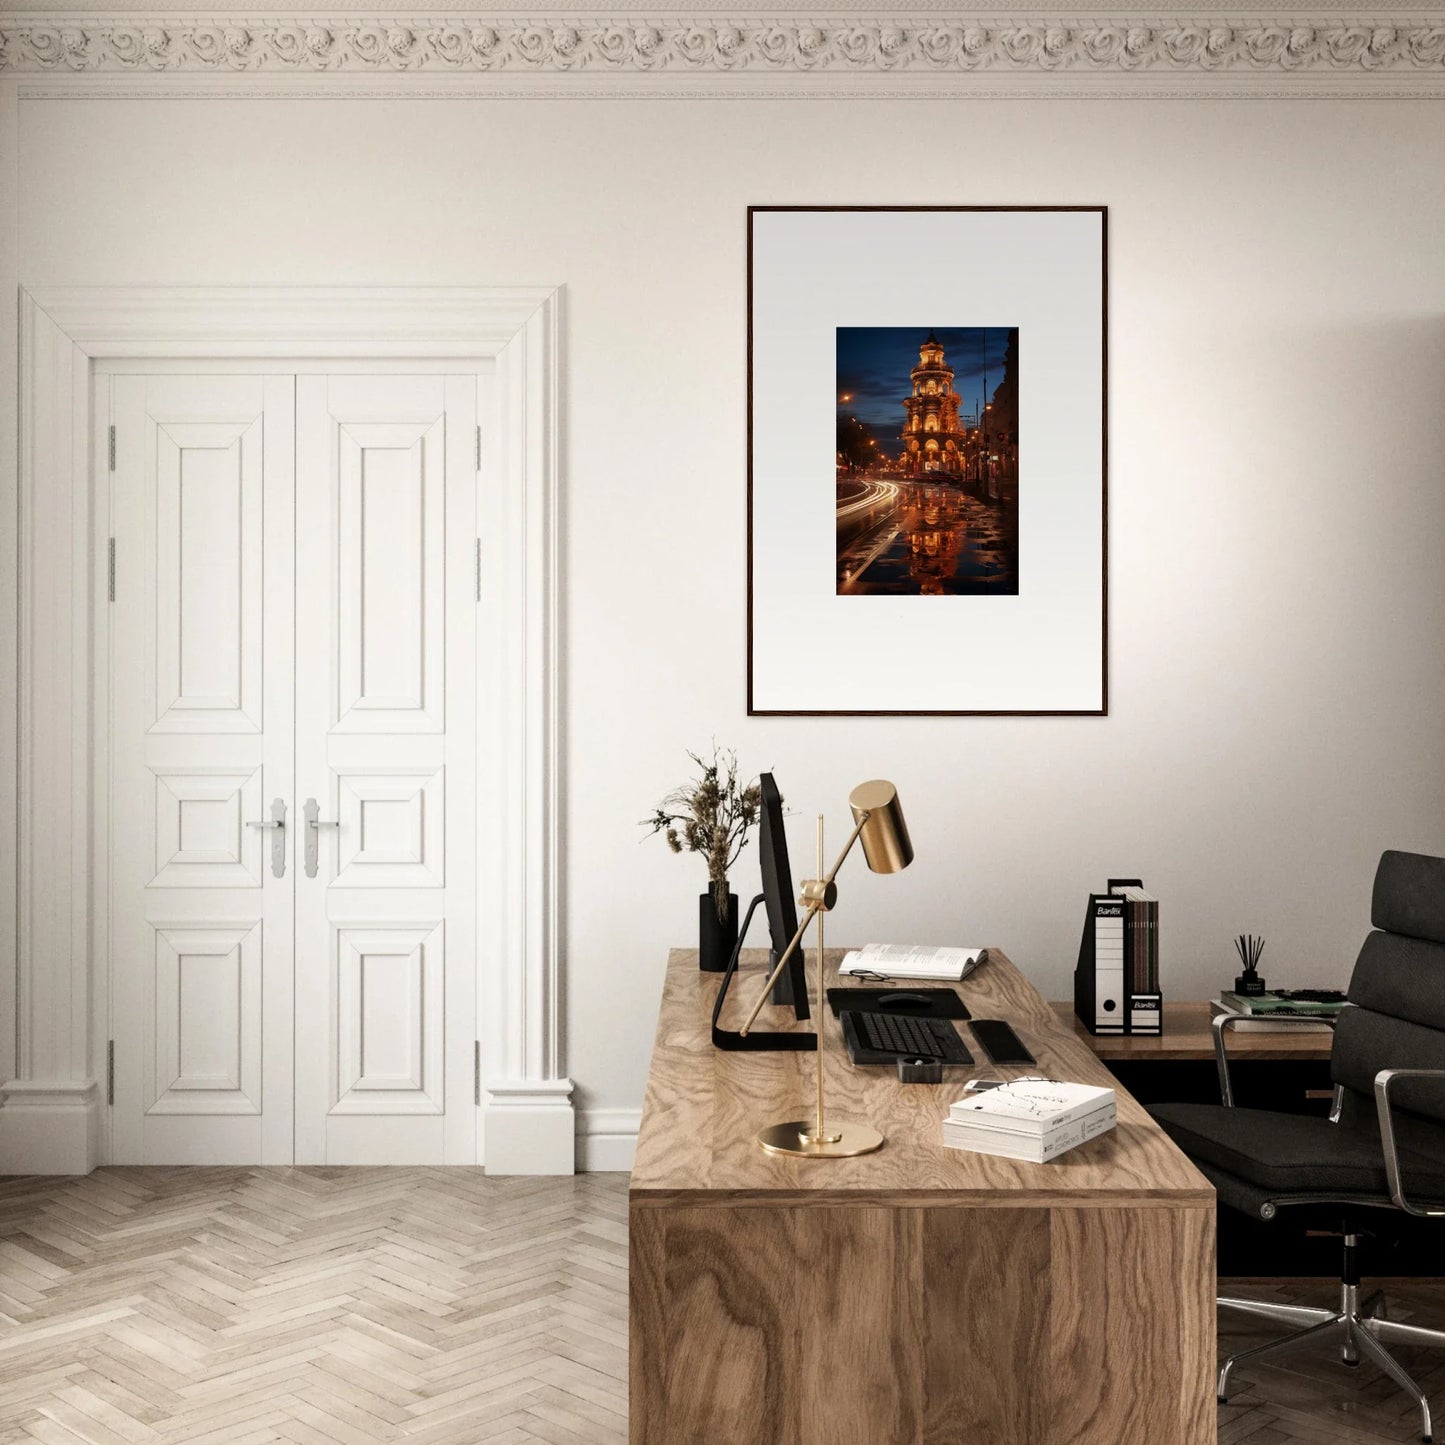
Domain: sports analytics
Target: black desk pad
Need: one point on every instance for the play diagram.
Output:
(918, 1003)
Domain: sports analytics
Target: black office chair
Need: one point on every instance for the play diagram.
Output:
(1381, 1151)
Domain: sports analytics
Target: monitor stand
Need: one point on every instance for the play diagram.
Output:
(756, 1040)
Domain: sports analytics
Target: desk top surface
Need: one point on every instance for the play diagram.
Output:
(704, 1106)
(1187, 1036)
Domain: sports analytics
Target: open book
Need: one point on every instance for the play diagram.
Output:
(905, 960)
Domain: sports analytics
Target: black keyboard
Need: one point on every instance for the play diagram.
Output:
(879, 1038)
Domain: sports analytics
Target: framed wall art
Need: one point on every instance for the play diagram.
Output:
(927, 460)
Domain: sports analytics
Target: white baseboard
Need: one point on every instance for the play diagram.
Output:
(530, 1127)
(49, 1128)
(607, 1140)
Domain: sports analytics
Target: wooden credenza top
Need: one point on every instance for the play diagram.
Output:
(1187, 1036)
(704, 1106)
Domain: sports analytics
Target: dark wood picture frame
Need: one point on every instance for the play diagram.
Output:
(1103, 708)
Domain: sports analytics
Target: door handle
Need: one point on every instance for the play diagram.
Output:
(314, 824)
(277, 822)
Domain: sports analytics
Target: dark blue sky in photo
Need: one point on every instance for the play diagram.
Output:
(874, 362)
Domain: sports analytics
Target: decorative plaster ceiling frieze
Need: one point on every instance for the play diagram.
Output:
(1409, 48)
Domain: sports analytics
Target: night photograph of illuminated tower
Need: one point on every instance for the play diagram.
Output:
(932, 440)
(927, 501)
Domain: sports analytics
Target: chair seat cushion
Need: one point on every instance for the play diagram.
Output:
(1299, 1153)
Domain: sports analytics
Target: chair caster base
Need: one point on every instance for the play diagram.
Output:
(1357, 1336)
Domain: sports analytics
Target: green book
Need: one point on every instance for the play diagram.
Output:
(1272, 1003)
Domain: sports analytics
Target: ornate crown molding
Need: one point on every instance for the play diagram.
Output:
(777, 45)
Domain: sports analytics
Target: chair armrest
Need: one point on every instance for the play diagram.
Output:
(1383, 1080)
(1221, 1025)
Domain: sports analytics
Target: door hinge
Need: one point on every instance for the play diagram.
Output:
(111, 447)
(479, 449)
(477, 1072)
(479, 568)
(110, 1072)
(110, 569)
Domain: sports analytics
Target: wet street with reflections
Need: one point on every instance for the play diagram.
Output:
(924, 539)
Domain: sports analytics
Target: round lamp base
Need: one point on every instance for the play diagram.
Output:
(845, 1141)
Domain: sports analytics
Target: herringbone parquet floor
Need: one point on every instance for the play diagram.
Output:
(345, 1306)
(313, 1305)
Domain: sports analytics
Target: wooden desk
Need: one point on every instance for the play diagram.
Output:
(918, 1294)
(1187, 1036)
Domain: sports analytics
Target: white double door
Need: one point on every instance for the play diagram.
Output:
(292, 642)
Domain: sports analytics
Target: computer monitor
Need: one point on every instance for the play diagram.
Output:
(791, 990)
(791, 987)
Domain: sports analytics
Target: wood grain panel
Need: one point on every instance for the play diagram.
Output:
(1131, 1320)
(802, 1326)
(862, 1332)
(646, 1328)
(1194, 1240)
(986, 1296)
(729, 1328)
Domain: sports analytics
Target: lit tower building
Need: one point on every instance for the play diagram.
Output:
(933, 441)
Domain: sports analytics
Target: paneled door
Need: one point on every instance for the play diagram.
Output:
(385, 929)
(293, 809)
(201, 765)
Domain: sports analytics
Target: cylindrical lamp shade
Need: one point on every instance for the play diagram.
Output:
(885, 840)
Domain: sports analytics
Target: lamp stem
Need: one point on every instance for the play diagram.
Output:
(822, 997)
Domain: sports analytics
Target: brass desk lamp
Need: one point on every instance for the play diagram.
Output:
(878, 824)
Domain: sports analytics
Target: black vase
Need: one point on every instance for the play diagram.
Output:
(715, 939)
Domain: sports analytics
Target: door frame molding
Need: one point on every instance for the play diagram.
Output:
(51, 1117)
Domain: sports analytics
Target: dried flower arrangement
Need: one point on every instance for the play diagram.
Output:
(711, 815)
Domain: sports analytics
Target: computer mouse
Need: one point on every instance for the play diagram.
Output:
(903, 999)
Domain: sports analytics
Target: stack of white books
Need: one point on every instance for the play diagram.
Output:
(906, 960)
(1032, 1119)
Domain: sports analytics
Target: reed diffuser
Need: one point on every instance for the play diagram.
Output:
(1249, 948)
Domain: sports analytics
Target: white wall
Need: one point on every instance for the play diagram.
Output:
(1277, 491)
